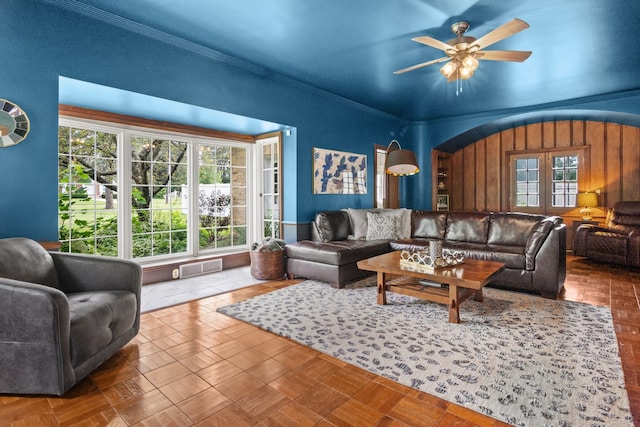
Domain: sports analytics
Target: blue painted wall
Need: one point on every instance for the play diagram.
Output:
(41, 43)
(44, 42)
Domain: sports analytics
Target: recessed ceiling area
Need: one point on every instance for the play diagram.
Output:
(104, 98)
(350, 49)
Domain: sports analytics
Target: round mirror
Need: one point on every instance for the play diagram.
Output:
(14, 124)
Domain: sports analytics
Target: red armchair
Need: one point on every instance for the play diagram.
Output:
(618, 242)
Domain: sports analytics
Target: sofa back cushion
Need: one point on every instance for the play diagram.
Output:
(471, 227)
(333, 225)
(26, 260)
(428, 224)
(512, 228)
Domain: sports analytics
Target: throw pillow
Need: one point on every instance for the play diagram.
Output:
(404, 221)
(359, 222)
(382, 227)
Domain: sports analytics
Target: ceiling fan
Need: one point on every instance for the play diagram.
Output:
(464, 52)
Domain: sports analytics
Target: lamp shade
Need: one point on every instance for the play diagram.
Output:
(400, 162)
(587, 200)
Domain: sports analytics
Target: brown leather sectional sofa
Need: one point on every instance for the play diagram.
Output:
(533, 247)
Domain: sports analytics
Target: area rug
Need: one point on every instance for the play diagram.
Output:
(519, 358)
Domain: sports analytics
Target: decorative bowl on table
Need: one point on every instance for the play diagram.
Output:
(431, 260)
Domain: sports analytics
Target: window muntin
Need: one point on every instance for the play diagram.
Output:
(159, 171)
(222, 201)
(564, 181)
(270, 188)
(528, 182)
(87, 191)
(547, 182)
(156, 206)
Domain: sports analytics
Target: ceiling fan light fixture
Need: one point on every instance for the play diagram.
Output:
(448, 69)
(470, 62)
(465, 73)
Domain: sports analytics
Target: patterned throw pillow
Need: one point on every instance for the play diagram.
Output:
(382, 227)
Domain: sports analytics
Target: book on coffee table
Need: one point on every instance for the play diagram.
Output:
(425, 282)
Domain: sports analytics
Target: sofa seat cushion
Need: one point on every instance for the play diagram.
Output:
(337, 252)
(511, 256)
(97, 318)
(414, 244)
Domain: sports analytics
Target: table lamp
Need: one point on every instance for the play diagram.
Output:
(588, 200)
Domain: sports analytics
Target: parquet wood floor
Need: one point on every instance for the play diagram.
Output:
(193, 366)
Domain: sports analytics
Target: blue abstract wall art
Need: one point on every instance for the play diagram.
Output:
(338, 172)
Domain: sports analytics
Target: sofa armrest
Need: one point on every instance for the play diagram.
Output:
(34, 338)
(551, 263)
(538, 236)
(33, 310)
(82, 273)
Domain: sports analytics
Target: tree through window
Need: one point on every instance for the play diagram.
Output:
(149, 190)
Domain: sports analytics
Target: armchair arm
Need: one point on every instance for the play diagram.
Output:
(581, 236)
(633, 254)
(34, 339)
(82, 273)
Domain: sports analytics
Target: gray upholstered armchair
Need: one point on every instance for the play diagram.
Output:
(61, 315)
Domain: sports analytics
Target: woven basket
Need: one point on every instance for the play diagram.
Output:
(267, 265)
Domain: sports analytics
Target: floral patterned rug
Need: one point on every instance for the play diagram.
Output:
(519, 358)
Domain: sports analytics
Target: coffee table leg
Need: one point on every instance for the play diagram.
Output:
(454, 306)
(382, 294)
(478, 295)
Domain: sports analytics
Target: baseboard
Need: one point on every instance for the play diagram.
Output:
(165, 272)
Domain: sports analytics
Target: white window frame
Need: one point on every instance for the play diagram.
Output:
(546, 177)
(124, 132)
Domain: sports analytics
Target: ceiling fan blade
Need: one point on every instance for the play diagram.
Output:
(424, 64)
(502, 32)
(430, 41)
(503, 55)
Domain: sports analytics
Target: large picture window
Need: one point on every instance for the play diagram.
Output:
(144, 194)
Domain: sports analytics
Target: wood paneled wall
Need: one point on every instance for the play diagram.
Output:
(480, 176)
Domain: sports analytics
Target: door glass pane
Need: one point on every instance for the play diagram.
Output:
(565, 180)
(270, 187)
(527, 176)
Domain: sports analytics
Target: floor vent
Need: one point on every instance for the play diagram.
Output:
(198, 268)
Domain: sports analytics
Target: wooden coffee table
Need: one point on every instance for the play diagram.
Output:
(461, 281)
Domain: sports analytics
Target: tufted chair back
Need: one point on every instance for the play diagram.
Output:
(624, 217)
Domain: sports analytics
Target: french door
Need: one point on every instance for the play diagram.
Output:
(269, 161)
